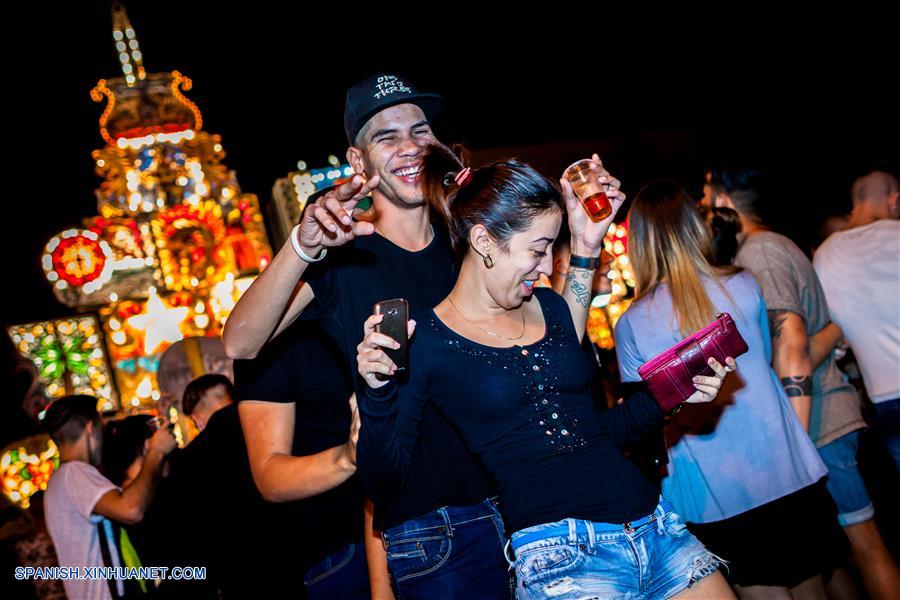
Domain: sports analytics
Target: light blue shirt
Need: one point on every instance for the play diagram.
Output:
(752, 448)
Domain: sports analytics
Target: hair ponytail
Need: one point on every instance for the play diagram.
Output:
(504, 196)
(439, 170)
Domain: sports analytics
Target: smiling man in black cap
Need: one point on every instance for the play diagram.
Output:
(442, 532)
(377, 112)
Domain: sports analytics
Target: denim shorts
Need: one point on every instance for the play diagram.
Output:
(656, 557)
(844, 482)
(452, 552)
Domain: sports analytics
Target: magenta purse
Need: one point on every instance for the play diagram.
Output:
(669, 375)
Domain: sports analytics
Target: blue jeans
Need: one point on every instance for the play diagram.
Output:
(844, 482)
(889, 427)
(656, 557)
(344, 574)
(452, 552)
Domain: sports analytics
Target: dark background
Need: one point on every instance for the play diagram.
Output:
(656, 98)
(658, 94)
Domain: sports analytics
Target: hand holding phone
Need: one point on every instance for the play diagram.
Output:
(393, 324)
(385, 350)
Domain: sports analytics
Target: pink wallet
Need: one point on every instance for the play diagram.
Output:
(669, 375)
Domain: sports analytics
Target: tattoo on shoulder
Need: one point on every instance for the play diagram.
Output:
(581, 289)
(776, 322)
(797, 385)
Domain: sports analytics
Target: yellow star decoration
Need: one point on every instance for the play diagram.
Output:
(159, 323)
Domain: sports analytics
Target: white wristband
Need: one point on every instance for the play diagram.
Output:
(299, 250)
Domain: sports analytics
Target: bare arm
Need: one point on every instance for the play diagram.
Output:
(129, 505)
(376, 558)
(269, 305)
(577, 294)
(279, 476)
(587, 241)
(791, 360)
(823, 342)
(277, 296)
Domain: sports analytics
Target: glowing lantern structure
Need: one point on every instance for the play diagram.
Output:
(69, 358)
(607, 308)
(26, 467)
(173, 245)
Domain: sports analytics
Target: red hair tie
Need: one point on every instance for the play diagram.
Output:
(463, 177)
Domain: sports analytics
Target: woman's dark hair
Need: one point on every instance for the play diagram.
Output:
(123, 443)
(196, 390)
(504, 196)
(724, 224)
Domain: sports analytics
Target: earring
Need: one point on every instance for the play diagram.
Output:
(488, 261)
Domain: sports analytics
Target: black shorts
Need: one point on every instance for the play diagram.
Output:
(782, 543)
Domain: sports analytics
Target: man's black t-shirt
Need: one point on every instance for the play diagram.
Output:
(232, 530)
(346, 285)
(303, 365)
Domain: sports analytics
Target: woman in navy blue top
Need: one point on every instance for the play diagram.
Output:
(527, 413)
(503, 362)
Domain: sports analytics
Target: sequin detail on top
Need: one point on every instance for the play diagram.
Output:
(531, 369)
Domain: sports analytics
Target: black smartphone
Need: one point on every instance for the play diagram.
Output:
(393, 325)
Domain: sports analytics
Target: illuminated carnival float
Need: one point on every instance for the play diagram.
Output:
(173, 245)
(152, 277)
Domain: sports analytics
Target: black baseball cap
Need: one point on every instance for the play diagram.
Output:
(371, 96)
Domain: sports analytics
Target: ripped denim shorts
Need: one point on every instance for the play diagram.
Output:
(655, 557)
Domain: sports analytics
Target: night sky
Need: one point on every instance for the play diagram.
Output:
(659, 100)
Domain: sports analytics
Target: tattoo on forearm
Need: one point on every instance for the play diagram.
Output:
(579, 281)
(797, 385)
(776, 322)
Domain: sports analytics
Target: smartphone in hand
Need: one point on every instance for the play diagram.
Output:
(394, 325)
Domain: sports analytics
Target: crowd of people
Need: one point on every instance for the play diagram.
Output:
(502, 460)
